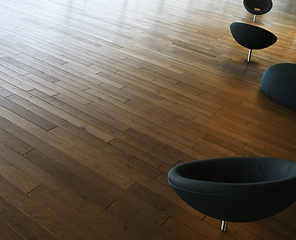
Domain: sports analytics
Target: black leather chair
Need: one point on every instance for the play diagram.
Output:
(242, 189)
(257, 7)
(252, 37)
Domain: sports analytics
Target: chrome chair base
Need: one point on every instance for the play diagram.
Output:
(249, 55)
(224, 226)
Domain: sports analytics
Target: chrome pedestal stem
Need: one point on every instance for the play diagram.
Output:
(249, 55)
(224, 226)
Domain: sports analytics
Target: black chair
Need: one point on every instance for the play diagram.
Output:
(252, 37)
(279, 83)
(242, 189)
(258, 7)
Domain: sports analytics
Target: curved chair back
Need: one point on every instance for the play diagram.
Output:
(252, 37)
(258, 7)
(236, 189)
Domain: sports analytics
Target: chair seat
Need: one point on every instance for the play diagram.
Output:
(258, 7)
(236, 189)
(279, 83)
(252, 37)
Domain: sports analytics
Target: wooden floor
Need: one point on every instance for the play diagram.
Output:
(100, 98)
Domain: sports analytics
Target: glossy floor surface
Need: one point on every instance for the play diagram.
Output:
(99, 99)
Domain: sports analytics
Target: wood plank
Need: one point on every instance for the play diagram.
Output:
(38, 121)
(139, 222)
(98, 160)
(35, 215)
(8, 233)
(129, 199)
(17, 177)
(83, 188)
(20, 223)
(71, 215)
(79, 201)
(174, 226)
(14, 143)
